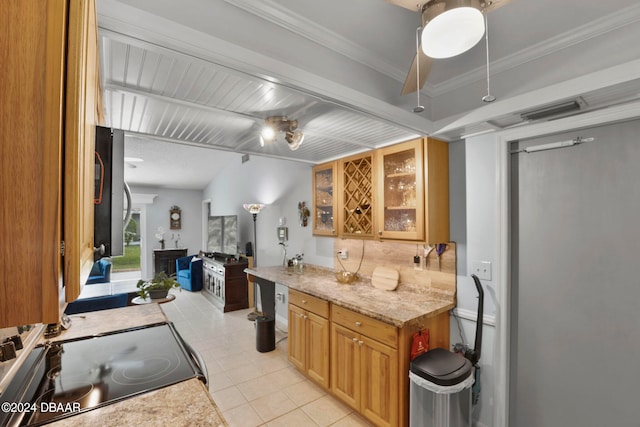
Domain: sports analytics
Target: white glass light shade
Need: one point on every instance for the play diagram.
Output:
(267, 135)
(294, 139)
(452, 32)
(253, 208)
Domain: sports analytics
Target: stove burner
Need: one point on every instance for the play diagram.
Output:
(74, 376)
(71, 392)
(144, 371)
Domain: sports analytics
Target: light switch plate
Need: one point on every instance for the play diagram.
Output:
(482, 269)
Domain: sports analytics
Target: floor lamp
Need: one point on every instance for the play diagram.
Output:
(254, 209)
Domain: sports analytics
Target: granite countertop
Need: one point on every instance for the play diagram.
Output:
(184, 404)
(100, 322)
(187, 403)
(394, 307)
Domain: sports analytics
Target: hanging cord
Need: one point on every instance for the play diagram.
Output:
(488, 97)
(462, 338)
(359, 265)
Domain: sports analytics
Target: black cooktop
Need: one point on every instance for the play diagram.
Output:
(62, 379)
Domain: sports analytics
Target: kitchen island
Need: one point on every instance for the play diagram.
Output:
(355, 340)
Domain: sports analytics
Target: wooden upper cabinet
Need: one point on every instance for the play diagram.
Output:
(436, 187)
(357, 193)
(81, 118)
(38, 95)
(400, 192)
(400, 207)
(324, 200)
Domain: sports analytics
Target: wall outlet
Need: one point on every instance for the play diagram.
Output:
(343, 253)
(482, 269)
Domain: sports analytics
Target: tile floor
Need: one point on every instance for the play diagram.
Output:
(252, 388)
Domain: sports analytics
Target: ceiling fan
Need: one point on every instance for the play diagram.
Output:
(440, 38)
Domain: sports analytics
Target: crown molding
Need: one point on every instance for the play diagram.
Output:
(304, 27)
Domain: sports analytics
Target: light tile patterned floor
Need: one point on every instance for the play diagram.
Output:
(252, 388)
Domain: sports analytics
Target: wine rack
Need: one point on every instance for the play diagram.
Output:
(357, 196)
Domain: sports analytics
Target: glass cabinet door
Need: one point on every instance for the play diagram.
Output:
(401, 191)
(324, 200)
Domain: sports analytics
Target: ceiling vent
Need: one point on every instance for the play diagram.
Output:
(560, 109)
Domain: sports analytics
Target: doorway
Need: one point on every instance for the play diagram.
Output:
(575, 332)
(127, 268)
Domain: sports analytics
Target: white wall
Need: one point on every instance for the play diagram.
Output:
(281, 185)
(473, 206)
(157, 215)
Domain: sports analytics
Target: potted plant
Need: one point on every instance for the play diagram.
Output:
(158, 287)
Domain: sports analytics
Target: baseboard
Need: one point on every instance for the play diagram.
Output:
(463, 313)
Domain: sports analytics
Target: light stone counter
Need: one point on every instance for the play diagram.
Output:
(394, 307)
(100, 322)
(185, 404)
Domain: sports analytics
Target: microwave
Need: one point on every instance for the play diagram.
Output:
(110, 191)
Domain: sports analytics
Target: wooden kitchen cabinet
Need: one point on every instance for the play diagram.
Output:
(309, 336)
(400, 192)
(50, 92)
(364, 371)
(363, 361)
(356, 196)
(436, 190)
(400, 207)
(325, 199)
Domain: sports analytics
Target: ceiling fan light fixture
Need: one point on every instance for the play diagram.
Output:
(451, 27)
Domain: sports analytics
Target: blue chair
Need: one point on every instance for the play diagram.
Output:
(100, 272)
(97, 303)
(189, 273)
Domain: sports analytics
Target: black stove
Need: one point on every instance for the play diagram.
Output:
(65, 378)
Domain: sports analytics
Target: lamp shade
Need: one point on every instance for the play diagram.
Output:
(453, 30)
(267, 135)
(294, 139)
(253, 208)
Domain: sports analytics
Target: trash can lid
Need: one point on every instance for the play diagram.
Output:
(441, 367)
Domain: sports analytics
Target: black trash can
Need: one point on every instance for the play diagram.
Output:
(265, 333)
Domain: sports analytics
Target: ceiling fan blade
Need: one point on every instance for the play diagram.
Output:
(412, 5)
(425, 67)
(491, 5)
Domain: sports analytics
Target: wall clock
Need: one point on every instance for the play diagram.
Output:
(175, 218)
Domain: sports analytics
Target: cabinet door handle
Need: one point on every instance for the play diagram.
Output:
(379, 232)
(358, 324)
(304, 301)
(355, 339)
(360, 342)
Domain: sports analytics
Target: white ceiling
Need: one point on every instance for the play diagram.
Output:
(190, 82)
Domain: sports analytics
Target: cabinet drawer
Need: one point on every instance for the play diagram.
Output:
(365, 325)
(309, 302)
